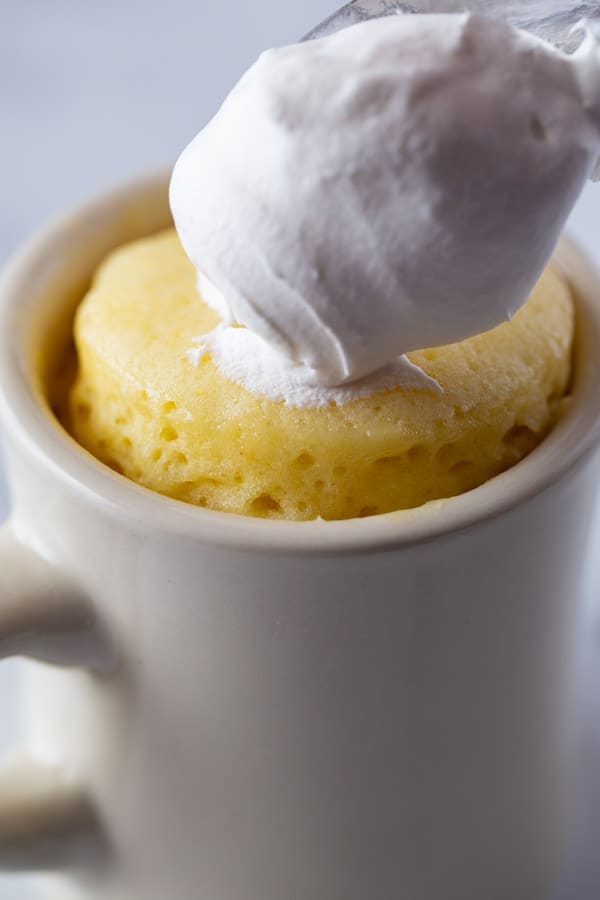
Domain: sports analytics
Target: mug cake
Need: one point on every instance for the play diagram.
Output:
(357, 313)
(195, 435)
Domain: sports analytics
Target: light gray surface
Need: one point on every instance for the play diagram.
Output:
(92, 93)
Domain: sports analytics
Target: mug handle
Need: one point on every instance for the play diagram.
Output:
(46, 821)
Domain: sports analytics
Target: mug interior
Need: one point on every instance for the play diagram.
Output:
(39, 294)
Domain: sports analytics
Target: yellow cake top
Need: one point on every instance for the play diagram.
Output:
(141, 406)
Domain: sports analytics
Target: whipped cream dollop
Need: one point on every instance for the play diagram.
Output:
(396, 186)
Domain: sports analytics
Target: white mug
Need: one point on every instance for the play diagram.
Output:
(238, 709)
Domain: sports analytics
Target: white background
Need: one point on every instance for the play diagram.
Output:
(92, 92)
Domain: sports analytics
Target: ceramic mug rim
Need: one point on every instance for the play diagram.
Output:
(24, 415)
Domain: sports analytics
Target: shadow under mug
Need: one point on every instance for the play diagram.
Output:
(238, 709)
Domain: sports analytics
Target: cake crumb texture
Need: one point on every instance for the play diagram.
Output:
(141, 407)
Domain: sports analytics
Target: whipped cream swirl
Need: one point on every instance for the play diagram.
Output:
(396, 186)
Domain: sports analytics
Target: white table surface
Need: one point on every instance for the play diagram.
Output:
(91, 93)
